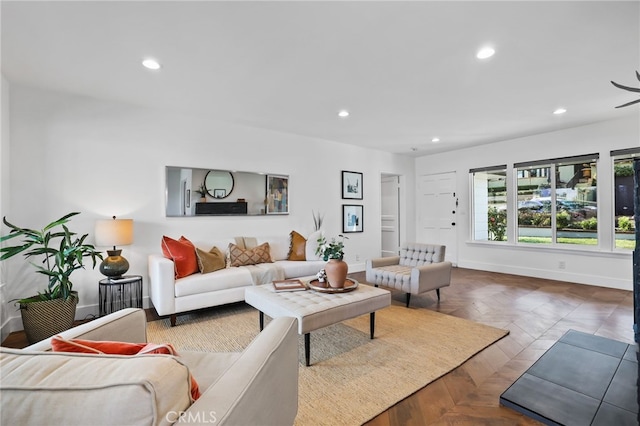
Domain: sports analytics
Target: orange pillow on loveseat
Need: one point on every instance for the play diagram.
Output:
(58, 344)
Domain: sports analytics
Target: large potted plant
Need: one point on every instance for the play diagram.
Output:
(62, 252)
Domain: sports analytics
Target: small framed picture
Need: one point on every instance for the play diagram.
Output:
(219, 193)
(352, 218)
(351, 185)
(277, 201)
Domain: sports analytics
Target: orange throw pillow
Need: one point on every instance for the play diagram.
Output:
(58, 344)
(298, 247)
(183, 254)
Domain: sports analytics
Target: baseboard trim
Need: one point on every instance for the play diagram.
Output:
(572, 277)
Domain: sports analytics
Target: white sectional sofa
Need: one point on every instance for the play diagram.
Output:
(171, 296)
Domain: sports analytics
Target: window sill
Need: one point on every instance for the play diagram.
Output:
(582, 250)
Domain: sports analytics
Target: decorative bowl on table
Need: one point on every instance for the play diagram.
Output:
(323, 287)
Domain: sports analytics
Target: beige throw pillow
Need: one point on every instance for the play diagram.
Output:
(211, 261)
(243, 257)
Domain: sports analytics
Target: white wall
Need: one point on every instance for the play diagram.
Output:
(600, 266)
(4, 187)
(100, 158)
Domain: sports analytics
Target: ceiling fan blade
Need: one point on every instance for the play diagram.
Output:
(629, 103)
(630, 89)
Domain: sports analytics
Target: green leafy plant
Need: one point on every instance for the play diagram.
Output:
(331, 250)
(623, 169)
(590, 224)
(563, 219)
(542, 220)
(60, 258)
(625, 223)
(497, 224)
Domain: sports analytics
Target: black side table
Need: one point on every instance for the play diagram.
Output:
(119, 293)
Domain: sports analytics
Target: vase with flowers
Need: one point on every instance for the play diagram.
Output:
(332, 252)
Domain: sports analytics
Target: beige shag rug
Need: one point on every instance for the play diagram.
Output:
(351, 378)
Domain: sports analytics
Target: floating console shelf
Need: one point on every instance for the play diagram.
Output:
(221, 208)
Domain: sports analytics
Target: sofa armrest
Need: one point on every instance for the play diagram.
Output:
(430, 277)
(126, 325)
(261, 387)
(162, 284)
(377, 263)
(383, 261)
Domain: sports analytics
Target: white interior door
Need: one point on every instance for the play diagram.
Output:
(437, 206)
(389, 215)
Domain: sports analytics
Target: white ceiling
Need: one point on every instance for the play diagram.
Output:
(406, 71)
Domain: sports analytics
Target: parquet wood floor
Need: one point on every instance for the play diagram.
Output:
(536, 311)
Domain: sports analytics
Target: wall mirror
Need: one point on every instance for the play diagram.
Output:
(226, 192)
(219, 183)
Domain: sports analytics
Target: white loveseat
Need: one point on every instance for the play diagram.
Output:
(171, 296)
(256, 386)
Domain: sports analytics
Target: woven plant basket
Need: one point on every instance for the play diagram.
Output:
(47, 318)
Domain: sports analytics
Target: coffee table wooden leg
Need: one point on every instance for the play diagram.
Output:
(261, 320)
(372, 323)
(307, 348)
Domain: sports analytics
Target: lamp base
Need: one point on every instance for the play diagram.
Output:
(114, 266)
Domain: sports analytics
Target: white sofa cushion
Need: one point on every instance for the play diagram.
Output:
(218, 280)
(297, 269)
(37, 387)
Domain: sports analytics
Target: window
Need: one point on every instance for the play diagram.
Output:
(490, 203)
(624, 225)
(556, 201)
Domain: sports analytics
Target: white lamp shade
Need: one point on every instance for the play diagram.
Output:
(114, 232)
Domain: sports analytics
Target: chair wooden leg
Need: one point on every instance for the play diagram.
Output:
(438, 293)
(408, 299)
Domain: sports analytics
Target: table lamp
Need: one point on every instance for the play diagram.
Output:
(114, 232)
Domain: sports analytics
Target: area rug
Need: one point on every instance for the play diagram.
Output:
(351, 378)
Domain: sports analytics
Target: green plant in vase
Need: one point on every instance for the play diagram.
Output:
(202, 191)
(332, 252)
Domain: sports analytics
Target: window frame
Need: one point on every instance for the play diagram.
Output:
(553, 165)
(631, 154)
(473, 226)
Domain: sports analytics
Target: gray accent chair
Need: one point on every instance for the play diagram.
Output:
(419, 268)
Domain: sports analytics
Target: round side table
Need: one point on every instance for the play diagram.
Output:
(119, 293)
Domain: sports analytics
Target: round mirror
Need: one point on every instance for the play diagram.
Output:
(219, 183)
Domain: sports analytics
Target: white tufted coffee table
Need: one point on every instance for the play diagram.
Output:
(315, 310)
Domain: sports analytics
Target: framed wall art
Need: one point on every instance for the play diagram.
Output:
(351, 185)
(352, 218)
(277, 201)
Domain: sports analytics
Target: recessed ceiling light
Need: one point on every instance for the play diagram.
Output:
(485, 52)
(559, 111)
(344, 113)
(152, 64)
(435, 140)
